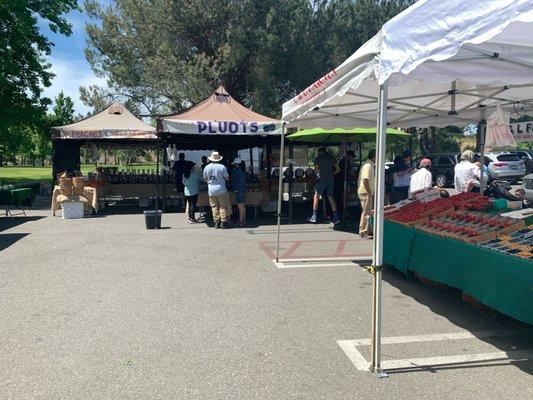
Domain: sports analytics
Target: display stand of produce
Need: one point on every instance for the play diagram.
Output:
(471, 227)
(438, 242)
(518, 244)
(416, 213)
(457, 217)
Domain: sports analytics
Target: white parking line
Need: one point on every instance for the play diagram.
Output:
(283, 265)
(515, 355)
(350, 349)
(446, 336)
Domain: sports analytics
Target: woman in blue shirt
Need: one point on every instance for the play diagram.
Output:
(238, 182)
(191, 183)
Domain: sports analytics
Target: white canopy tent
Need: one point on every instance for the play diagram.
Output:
(435, 64)
(443, 63)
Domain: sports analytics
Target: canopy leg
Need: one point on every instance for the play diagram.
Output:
(251, 162)
(157, 179)
(483, 133)
(377, 248)
(280, 187)
(345, 178)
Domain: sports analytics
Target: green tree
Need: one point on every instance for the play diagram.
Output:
(23, 70)
(439, 140)
(63, 110)
(170, 54)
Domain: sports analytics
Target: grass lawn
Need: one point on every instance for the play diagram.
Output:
(19, 175)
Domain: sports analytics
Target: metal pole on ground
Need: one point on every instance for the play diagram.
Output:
(252, 161)
(483, 133)
(157, 180)
(280, 187)
(377, 248)
(344, 193)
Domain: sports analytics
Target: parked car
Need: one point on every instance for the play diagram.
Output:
(442, 168)
(527, 157)
(505, 166)
(527, 186)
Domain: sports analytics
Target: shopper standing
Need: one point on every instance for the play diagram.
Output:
(204, 162)
(467, 174)
(238, 184)
(421, 179)
(365, 192)
(191, 189)
(216, 175)
(402, 177)
(326, 167)
(345, 175)
(179, 168)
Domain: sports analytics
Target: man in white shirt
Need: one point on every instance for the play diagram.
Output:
(365, 192)
(421, 179)
(466, 173)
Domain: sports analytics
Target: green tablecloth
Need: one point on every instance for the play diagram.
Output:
(500, 281)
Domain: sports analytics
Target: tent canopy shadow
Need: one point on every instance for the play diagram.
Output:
(7, 239)
(8, 223)
(448, 303)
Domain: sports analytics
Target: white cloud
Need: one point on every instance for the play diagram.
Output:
(70, 74)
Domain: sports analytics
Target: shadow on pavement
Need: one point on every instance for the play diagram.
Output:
(8, 223)
(448, 303)
(7, 239)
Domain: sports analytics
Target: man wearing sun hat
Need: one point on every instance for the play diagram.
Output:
(421, 179)
(216, 175)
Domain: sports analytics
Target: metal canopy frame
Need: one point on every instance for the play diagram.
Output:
(425, 109)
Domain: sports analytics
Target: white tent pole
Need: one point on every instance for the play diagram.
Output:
(377, 248)
(280, 187)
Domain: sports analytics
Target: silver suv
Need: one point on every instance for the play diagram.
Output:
(505, 166)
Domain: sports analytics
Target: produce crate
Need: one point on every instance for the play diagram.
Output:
(414, 223)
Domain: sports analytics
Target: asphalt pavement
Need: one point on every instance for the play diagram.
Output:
(101, 308)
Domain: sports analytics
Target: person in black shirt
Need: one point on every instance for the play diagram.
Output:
(402, 177)
(179, 168)
(205, 162)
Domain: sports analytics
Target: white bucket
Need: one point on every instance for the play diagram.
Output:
(72, 209)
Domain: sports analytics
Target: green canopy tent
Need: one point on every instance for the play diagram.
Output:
(339, 135)
(321, 136)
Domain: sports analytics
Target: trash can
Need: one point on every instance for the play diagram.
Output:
(152, 219)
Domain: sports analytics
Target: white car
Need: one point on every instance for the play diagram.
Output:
(505, 166)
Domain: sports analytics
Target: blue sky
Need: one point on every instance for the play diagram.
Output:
(68, 61)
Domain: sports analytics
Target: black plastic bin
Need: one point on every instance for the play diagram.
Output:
(152, 219)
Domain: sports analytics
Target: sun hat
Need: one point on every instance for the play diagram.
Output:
(237, 161)
(426, 162)
(215, 157)
(467, 155)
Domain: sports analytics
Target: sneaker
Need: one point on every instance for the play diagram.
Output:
(241, 224)
(217, 225)
(224, 225)
(312, 219)
(336, 221)
(190, 221)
